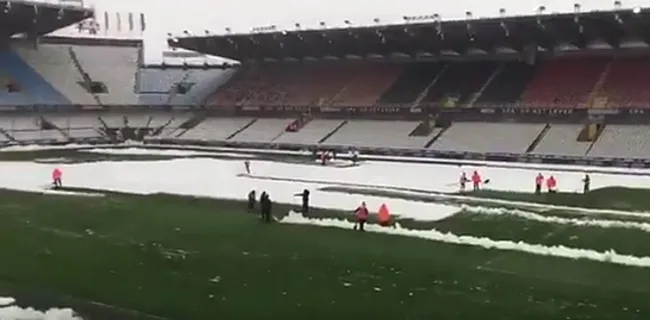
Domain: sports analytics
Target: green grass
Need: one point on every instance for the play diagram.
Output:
(162, 255)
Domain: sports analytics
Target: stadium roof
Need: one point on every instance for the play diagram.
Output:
(38, 18)
(431, 38)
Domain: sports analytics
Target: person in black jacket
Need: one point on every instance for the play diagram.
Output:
(305, 200)
(251, 201)
(265, 206)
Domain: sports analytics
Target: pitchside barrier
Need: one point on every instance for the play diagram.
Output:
(405, 155)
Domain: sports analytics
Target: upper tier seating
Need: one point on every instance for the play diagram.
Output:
(562, 140)
(627, 83)
(41, 75)
(365, 89)
(115, 67)
(483, 137)
(509, 84)
(411, 83)
(161, 85)
(457, 84)
(378, 134)
(564, 83)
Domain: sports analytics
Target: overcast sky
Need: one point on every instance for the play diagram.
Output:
(242, 15)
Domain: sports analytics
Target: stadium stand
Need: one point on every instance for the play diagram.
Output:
(366, 88)
(627, 83)
(459, 82)
(411, 83)
(53, 64)
(623, 141)
(312, 133)
(262, 130)
(508, 85)
(564, 83)
(482, 137)
(179, 85)
(562, 140)
(378, 134)
(111, 69)
(215, 129)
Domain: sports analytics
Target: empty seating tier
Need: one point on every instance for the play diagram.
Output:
(627, 83)
(482, 137)
(508, 85)
(411, 83)
(564, 83)
(378, 134)
(262, 130)
(562, 140)
(622, 141)
(458, 82)
(312, 133)
(215, 129)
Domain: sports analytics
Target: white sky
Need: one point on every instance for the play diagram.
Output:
(242, 15)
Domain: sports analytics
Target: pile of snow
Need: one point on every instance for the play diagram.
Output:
(559, 220)
(10, 312)
(556, 251)
(17, 313)
(5, 301)
(37, 147)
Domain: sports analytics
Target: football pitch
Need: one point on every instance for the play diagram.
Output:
(183, 257)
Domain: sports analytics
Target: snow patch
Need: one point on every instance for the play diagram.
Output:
(4, 301)
(555, 251)
(17, 313)
(559, 220)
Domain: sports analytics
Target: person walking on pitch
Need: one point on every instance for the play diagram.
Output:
(247, 164)
(361, 214)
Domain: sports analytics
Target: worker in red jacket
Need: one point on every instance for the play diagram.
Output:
(476, 181)
(539, 180)
(551, 184)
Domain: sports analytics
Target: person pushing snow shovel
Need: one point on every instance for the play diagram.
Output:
(57, 175)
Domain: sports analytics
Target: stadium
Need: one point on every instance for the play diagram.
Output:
(157, 169)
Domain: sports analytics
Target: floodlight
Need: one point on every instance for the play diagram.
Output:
(502, 12)
(541, 9)
(297, 25)
(468, 14)
(348, 22)
(636, 10)
(376, 20)
(618, 5)
(436, 17)
(576, 8)
(228, 30)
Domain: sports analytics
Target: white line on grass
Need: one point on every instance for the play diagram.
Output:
(556, 251)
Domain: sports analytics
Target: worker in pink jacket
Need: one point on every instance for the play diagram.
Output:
(57, 175)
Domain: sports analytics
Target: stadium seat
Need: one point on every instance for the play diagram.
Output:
(411, 83)
(562, 140)
(53, 63)
(564, 83)
(622, 141)
(483, 137)
(215, 129)
(31, 87)
(115, 67)
(627, 83)
(311, 133)
(263, 130)
(457, 84)
(508, 85)
(367, 86)
(378, 134)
